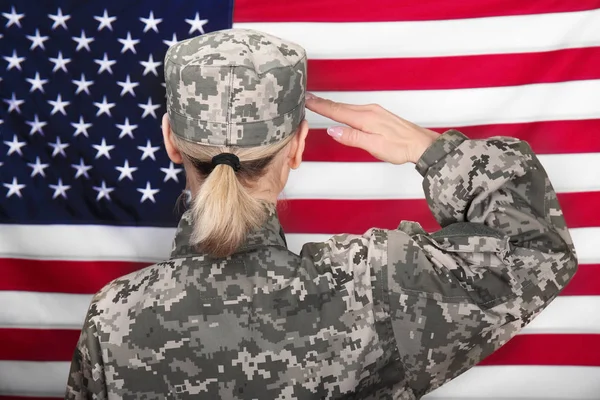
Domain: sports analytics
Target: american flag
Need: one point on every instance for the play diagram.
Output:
(87, 192)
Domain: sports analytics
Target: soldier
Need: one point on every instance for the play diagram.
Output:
(389, 314)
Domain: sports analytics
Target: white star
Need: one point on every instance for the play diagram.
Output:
(38, 167)
(14, 188)
(58, 105)
(128, 43)
(105, 21)
(151, 23)
(83, 84)
(58, 147)
(149, 108)
(59, 19)
(150, 65)
(105, 64)
(103, 149)
(82, 169)
(197, 24)
(81, 127)
(126, 171)
(148, 193)
(14, 146)
(37, 83)
(60, 189)
(83, 42)
(128, 86)
(36, 125)
(14, 103)
(104, 107)
(103, 191)
(171, 42)
(126, 129)
(15, 61)
(148, 150)
(60, 62)
(13, 17)
(171, 172)
(37, 40)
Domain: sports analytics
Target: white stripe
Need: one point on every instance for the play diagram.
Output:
(509, 34)
(85, 242)
(566, 314)
(490, 383)
(571, 100)
(378, 180)
(586, 242)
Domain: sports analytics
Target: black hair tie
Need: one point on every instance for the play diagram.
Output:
(227, 158)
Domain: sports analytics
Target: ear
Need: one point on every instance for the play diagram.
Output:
(297, 145)
(174, 154)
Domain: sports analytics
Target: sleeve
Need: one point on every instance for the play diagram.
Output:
(503, 254)
(86, 375)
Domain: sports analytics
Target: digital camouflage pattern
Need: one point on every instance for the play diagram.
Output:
(390, 314)
(235, 87)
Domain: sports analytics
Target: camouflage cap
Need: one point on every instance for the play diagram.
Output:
(235, 87)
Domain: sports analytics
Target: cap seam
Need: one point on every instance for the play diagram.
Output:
(229, 106)
(236, 123)
(168, 59)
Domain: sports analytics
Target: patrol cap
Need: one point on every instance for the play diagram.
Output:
(235, 87)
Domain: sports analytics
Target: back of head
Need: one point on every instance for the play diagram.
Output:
(234, 91)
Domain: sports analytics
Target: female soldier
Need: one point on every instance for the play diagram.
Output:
(233, 314)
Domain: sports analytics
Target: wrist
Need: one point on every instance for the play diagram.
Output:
(426, 139)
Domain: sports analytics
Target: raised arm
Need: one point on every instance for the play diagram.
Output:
(503, 253)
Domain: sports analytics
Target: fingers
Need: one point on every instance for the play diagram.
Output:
(348, 114)
(354, 138)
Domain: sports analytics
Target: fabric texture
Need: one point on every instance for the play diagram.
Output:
(235, 87)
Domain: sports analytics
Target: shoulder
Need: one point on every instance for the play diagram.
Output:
(131, 291)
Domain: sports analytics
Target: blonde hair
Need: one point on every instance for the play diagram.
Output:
(223, 209)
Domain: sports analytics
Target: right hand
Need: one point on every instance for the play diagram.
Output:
(374, 129)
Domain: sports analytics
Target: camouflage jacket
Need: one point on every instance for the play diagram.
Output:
(390, 314)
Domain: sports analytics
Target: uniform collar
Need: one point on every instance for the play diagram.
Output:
(269, 234)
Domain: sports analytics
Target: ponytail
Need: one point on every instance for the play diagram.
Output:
(224, 212)
(223, 209)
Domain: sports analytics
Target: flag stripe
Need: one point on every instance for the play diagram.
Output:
(559, 349)
(480, 106)
(27, 378)
(398, 39)
(357, 216)
(454, 72)
(156, 243)
(76, 277)
(392, 10)
(370, 180)
(576, 136)
(566, 314)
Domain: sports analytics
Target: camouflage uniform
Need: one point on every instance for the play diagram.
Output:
(390, 314)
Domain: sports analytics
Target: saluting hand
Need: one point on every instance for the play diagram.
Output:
(374, 129)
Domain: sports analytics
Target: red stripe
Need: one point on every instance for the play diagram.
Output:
(357, 216)
(586, 282)
(394, 10)
(549, 349)
(38, 344)
(546, 137)
(457, 72)
(539, 349)
(83, 277)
